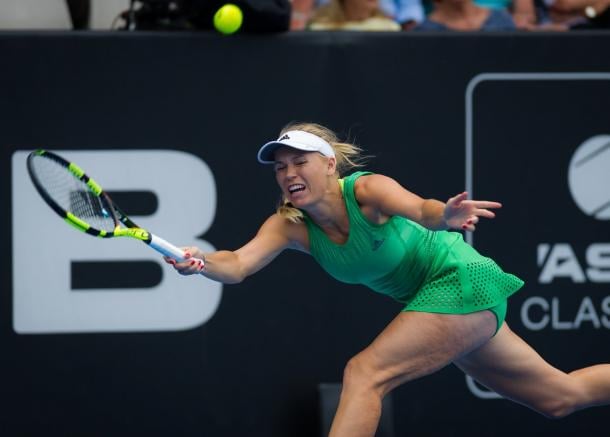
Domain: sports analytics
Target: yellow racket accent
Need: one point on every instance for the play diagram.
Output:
(76, 170)
(94, 187)
(137, 233)
(79, 172)
(72, 220)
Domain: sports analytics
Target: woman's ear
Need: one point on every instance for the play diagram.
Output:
(332, 165)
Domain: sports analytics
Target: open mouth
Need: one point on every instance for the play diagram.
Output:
(295, 188)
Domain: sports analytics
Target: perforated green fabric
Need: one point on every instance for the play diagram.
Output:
(444, 293)
(466, 287)
(488, 281)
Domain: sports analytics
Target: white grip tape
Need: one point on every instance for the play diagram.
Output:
(168, 249)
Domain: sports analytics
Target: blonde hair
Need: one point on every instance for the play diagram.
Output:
(333, 14)
(348, 156)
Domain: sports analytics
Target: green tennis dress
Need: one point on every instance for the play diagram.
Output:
(428, 271)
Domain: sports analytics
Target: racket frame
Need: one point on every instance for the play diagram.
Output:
(131, 230)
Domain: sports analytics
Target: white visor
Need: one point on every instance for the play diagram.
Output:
(297, 139)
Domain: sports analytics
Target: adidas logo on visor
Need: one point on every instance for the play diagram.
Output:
(296, 139)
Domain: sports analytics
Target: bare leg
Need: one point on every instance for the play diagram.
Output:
(595, 380)
(413, 345)
(507, 365)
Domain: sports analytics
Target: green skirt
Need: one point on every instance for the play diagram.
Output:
(465, 282)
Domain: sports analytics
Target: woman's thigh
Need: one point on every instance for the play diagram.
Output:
(415, 344)
(509, 366)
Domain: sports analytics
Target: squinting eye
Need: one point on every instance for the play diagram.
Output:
(300, 162)
(279, 167)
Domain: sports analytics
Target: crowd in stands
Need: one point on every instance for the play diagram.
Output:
(449, 15)
(313, 15)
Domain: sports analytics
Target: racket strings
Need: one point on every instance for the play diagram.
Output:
(72, 194)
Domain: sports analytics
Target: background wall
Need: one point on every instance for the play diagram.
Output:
(419, 103)
(54, 14)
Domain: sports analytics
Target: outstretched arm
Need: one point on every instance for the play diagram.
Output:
(232, 267)
(390, 198)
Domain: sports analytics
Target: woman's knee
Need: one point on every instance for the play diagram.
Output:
(557, 409)
(564, 401)
(356, 371)
(363, 373)
(360, 373)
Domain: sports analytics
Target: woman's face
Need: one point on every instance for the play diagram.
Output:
(302, 176)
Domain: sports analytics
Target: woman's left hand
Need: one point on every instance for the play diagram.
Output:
(461, 213)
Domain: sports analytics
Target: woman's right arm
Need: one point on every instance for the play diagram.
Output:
(231, 267)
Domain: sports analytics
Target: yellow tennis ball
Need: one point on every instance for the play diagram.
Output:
(228, 19)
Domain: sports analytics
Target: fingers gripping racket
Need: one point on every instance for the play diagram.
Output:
(82, 203)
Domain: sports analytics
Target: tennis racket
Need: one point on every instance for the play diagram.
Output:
(82, 203)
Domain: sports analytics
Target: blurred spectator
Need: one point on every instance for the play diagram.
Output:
(352, 15)
(407, 13)
(465, 15)
(301, 13)
(523, 11)
(575, 14)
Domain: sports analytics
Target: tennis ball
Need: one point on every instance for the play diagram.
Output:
(228, 19)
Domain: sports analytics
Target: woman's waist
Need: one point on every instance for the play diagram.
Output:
(417, 267)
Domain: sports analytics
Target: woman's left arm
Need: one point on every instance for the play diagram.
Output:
(388, 197)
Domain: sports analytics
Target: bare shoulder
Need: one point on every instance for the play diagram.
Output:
(294, 235)
(368, 188)
(381, 196)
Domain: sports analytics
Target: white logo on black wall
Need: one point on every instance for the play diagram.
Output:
(589, 177)
(589, 185)
(44, 299)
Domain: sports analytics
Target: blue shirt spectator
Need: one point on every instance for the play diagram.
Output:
(466, 16)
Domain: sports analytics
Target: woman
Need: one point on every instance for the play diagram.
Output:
(368, 229)
(359, 15)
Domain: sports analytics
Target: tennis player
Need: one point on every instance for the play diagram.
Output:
(365, 228)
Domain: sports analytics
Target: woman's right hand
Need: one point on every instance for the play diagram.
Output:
(194, 261)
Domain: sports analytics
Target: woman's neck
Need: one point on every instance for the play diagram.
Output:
(330, 211)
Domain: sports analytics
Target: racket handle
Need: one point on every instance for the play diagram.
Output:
(168, 249)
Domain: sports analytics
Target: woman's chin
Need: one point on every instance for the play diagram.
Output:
(298, 200)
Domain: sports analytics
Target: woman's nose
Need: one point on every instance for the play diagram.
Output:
(290, 171)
